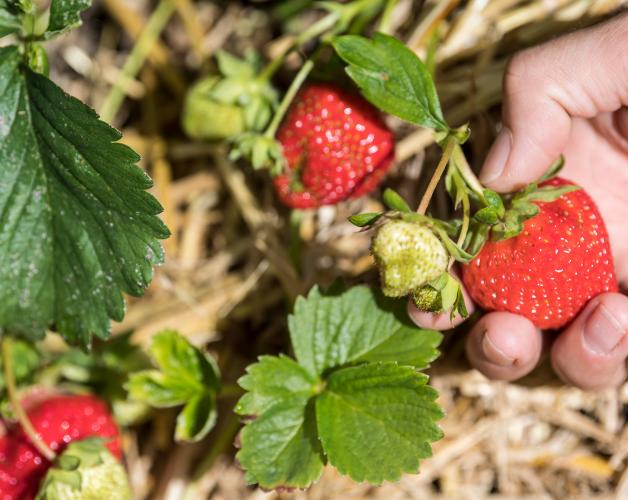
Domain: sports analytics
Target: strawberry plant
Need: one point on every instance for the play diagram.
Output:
(79, 229)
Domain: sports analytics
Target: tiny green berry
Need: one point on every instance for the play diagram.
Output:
(408, 256)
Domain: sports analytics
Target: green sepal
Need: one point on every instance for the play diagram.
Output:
(365, 219)
(260, 151)
(441, 295)
(553, 170)
(494, 201)
(394, 201)
(487, 215)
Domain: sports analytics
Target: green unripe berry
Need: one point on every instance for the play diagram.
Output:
(428, 299)
(206, 118)
(408, 256)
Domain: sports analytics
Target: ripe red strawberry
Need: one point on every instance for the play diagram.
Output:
(59, 420)
(336, 147)
(547, 273)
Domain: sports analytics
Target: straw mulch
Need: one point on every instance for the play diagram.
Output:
(228, 278)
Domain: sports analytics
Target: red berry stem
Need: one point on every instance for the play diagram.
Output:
(20, 414)
(450, 143)
(289, 97)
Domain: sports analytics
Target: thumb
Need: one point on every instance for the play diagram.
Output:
(578, 75)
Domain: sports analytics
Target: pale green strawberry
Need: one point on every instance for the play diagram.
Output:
(86, 470)
(408, 256)
(206, 118)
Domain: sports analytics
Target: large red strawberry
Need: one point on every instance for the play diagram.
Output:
(59, 420)
(548, 272)
(336, 147)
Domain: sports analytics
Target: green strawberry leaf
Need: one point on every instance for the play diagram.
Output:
(394, 201)
(365, 219)
(11, 13)
(376, 421)
(273, 380)
(280, 448)
(392, 77)
(68, 182)
(329, 330)
(546, 193)
(197, 418)
(408, 346)
(350, 345)
(186, 376)
(65, 15)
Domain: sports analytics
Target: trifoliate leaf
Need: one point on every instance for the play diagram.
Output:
(392, 77)
(77, 227)
(10, 17)
(329, 330)
(280, 448)
(273, 380)
(65, 15)
(376, 421)
(186, 376)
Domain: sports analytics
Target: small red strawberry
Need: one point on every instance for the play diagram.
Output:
(335, 145)
(548, 272)
(59, 420)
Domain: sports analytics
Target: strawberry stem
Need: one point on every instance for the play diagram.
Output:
(289, 97)
(462, 165)
(20, 414)
(386, 19)
(317, 29)
(450, 143)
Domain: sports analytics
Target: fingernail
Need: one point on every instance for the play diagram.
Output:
(602, 331)
(497, 156)
(494, 354)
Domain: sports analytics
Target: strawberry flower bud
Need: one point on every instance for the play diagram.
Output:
(408, 256)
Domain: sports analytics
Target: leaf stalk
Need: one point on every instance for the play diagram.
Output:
(20, 414)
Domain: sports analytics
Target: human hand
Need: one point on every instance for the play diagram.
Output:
(567, 96)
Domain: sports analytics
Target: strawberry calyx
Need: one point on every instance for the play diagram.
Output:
(441, 295)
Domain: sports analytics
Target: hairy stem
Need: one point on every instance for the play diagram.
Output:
(450, 142)
(289, 97)
(156, 24)
(20, 414)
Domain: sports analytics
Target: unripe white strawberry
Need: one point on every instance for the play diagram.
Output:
(408, 256)
(86, 470)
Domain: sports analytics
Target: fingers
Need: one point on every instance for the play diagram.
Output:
(592, 352)
(504, 346)
(578, 75)
(441, 321)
